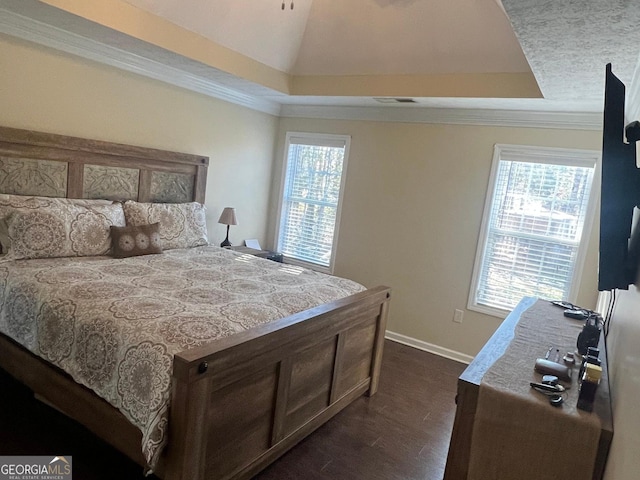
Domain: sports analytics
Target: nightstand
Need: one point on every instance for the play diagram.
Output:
(268, 254)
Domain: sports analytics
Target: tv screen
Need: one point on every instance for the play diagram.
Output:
(620, 193)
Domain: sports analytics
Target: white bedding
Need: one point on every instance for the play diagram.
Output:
(115, 324)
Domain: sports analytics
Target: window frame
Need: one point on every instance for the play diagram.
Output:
(316, 139)
(534, 154)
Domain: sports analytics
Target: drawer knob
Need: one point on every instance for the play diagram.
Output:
(203, 367)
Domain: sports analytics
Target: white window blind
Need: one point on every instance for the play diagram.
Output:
(311, 194)
(536, 209)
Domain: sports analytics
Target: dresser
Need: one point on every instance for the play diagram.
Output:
(470, 452)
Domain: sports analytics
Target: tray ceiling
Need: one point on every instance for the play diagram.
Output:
(545, 55)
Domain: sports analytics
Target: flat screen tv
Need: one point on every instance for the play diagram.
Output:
(620, 193)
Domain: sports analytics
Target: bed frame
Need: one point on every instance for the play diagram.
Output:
(237, 404)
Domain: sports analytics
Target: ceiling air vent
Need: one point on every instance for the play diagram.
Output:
(394, 100)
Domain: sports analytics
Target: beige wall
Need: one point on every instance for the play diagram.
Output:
(411, 215)
(41, 89)
(624, 377)
(623, 349)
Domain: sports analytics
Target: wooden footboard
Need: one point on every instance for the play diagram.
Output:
(241, 402)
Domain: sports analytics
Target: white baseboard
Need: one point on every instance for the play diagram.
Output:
(428, 347)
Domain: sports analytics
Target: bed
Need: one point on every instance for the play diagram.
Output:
(236, 400)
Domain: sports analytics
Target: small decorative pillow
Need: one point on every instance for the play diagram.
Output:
(182, 225)
(8, 203)
(131, 241)
(61, 230)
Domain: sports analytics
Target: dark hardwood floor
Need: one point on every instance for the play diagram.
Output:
(400, 433)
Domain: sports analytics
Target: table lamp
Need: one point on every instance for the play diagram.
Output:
(227, 217)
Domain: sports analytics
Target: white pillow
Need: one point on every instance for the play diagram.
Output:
(182, 225)
(8, 203)
(61, 230)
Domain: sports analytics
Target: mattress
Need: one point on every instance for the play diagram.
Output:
(114, 325)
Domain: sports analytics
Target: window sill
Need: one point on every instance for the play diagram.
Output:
(492, 311)
(308, 265)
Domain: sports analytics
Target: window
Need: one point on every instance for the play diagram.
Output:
(311, 196)
(535, 214)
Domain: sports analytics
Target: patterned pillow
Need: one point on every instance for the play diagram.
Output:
(182, 225)
(8, 203)
(131, 241)
(62, 230)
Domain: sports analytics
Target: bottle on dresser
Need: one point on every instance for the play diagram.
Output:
(588, 387)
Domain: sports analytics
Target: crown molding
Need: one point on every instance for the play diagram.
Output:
(32, 30)
(50, 36)
(455, 116)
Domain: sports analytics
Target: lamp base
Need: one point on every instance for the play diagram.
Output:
(226, 242)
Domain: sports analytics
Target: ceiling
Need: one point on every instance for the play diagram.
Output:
(542, 55)
(355, 37)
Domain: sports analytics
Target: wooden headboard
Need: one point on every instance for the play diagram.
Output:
(44, 164)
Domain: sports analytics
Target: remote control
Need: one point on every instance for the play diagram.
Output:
(577, 314)
(563, 304)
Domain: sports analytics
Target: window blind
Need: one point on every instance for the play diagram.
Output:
(533, 230)
(310, 199)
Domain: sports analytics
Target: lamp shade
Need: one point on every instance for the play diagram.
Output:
(228, 216)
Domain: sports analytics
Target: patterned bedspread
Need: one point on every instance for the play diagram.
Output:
(115, 324)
